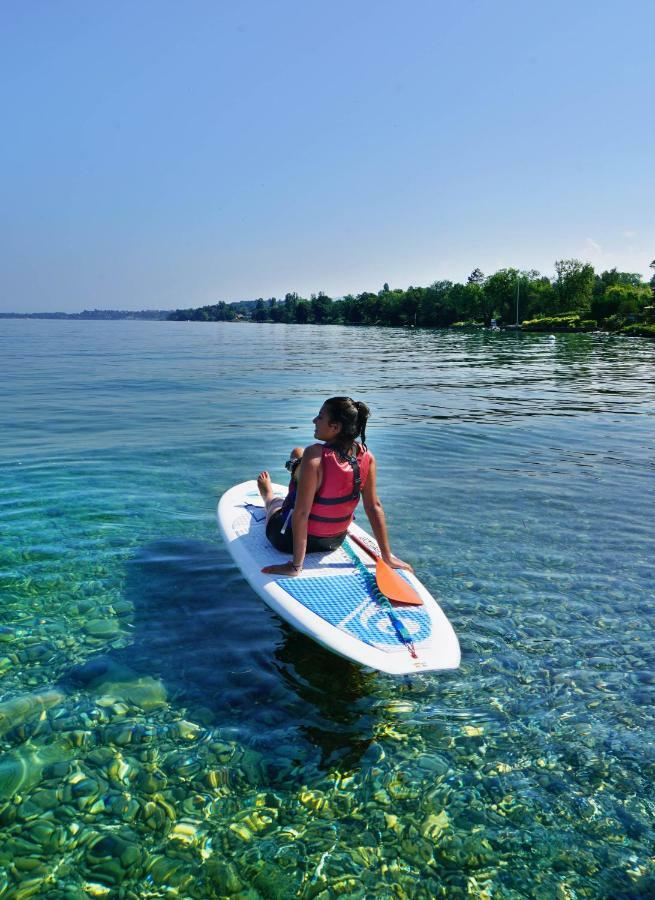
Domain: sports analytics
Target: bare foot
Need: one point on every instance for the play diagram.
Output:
(264, 485)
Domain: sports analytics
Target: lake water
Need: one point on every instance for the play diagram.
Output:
(163, 733)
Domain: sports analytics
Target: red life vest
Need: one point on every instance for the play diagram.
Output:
(343, 479)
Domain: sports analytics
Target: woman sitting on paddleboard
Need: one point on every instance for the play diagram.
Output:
(325, 490)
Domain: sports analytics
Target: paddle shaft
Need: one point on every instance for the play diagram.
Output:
(364, 546)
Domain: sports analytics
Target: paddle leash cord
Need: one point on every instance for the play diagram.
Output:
(399, 627)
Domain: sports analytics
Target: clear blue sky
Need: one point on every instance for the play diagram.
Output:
(166, 154)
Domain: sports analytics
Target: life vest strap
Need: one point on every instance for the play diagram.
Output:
(334, 501)
(316, 518)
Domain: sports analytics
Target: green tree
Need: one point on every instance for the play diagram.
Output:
(626, 301)
(537, 296)
(468, 301)
(260, 313)
(290, 304)
(436, 308)
(351, 310)
(611, 277)
(476, 277)
(409, 306)
(500, 293)
(370, 307)
(321, 308)
(221, 312)
(302, 312)
(574, 285)
(277, 310)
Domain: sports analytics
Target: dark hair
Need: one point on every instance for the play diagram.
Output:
(352, 415)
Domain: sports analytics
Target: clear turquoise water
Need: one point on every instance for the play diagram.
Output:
(164, 734)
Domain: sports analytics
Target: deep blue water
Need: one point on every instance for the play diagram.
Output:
(163, 731)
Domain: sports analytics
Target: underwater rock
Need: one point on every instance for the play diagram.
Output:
(116, 683)
(241, 831)
(122, 607)
(434, 825)
(224, 876)
(150, 782)
(18, 710)
(222, 750)
(49, 835)
(32, 887)
(123, 807)
(111, 857)
(188, 731)
(184, 765)
(122, 771)
(123, 733)
(315, 801)
(37, 652)
(173, 875)
(102, 628)
(83, 791)
(157, 815)
(144, 692)
(188, 831)
(92, 889)
(21, 769)
(258, 820)
(96, 669)
(217, 779)
(435, 765)
(5, 664)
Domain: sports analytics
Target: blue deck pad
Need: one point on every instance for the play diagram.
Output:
(345, 602)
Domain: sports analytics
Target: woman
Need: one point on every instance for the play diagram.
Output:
(332, 477)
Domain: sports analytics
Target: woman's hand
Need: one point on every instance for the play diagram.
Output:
(287, 568)
(397, 563)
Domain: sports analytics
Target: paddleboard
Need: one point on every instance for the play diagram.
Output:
(333, 599)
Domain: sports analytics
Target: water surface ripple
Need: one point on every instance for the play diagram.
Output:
(163, 733)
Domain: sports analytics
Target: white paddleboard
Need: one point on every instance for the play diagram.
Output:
(332, 600)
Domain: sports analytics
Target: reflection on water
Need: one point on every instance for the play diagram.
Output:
(163, 732)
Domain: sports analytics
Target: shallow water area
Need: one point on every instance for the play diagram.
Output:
(162, 733)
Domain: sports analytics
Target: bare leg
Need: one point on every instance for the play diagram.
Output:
(272, 503)
(265, 489)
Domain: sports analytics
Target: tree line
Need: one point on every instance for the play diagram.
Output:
(610, 299)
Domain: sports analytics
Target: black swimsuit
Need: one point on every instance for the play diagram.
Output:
(284, 542)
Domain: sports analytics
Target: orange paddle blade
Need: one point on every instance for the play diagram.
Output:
(393, 586)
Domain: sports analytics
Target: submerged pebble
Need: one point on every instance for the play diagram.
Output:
(102, 628)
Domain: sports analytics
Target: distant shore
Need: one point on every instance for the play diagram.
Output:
(102, 314)
(562, 325)
(577, 299)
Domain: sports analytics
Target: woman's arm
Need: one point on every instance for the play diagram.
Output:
(375, 513)
(308, 484)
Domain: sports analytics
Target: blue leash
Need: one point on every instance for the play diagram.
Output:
(399, 626)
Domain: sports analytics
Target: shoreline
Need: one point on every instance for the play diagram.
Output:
(637, 329)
